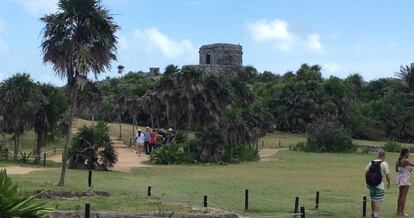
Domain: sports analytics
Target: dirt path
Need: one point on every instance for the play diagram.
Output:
(266, 153)
(127, 158)
(15, 170)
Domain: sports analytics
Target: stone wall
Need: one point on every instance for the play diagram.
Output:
(221, 54)
(209, 69)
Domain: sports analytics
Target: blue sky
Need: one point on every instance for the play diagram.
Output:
(369, 37)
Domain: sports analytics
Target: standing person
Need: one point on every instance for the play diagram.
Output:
(159, 140)
(375, 173)
(147, 135)
(153, 138)
(403, 168)
(140, 140)
(169, 136)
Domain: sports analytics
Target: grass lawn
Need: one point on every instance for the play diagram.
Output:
(273, 185)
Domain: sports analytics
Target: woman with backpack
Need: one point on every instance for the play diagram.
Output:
(403, 169)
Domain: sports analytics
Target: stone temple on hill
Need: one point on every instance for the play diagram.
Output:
(220, 58)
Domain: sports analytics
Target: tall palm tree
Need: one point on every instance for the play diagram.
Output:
(406, 75)
(78, 39)
(18, 96)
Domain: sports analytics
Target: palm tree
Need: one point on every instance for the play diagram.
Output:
(78, 39)
(18, 95)
(90, 99)
(49, 115)
(406, 75)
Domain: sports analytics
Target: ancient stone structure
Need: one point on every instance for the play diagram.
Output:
(220, 59)
(154, 70)
(221, 54)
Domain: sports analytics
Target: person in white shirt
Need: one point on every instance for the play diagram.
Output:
(377, 192)
(139, 141)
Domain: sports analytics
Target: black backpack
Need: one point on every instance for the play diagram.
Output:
(374, 176)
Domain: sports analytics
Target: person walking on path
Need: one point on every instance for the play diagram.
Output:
(140, 140)
(147, 135)
(403, 169)
(376, 174)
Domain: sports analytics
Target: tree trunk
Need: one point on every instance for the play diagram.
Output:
(16, 146)
(152, 121)
(133, 127)
(93, 119)
(158, 123)
(120, 126)
(41, 142)
(188, 119)
(68, 136)
(167, 108)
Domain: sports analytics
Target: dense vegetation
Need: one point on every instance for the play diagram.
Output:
(380, 109)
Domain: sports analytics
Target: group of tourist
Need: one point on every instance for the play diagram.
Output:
(378, 170)
(146, 141)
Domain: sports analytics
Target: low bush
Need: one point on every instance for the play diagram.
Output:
(326, 136)
(238, 153)
(175, 153)
(92, 148)
(392, 147)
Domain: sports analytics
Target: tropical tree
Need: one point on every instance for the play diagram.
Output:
(78, 39)
(90, 99)
(406, 75)
(92, 149)
(49, 115)
(18, 95)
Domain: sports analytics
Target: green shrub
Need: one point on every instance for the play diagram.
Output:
(328, 137)
(92, 148)
(175, 153)
(15, 204)
(392, 147)
(300, 146)
(238, 153)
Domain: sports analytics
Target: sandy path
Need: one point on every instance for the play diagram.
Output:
(127, 158)
(15, 170)
(266, 153)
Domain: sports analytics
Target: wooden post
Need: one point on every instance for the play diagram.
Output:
(205, 201)
(87, 210)
(317, 200)
(149, 191)
(246, 199)
(302, 212)
(262, 144)
(44, 159)
(54, 150)
(364, 206)
(90, 178)
(296, 209)
(130, 142)
(280, 144)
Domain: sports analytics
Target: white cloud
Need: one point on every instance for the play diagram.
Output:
(38, 7)
(278, 32)
(152, 39)
(314, 43)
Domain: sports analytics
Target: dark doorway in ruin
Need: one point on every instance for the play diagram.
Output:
(207, 59)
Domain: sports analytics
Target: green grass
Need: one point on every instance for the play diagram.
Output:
(273, 185)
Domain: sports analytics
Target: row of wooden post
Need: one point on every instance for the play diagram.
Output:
(246, 200)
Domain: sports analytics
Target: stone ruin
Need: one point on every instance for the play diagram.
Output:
(220, 59)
